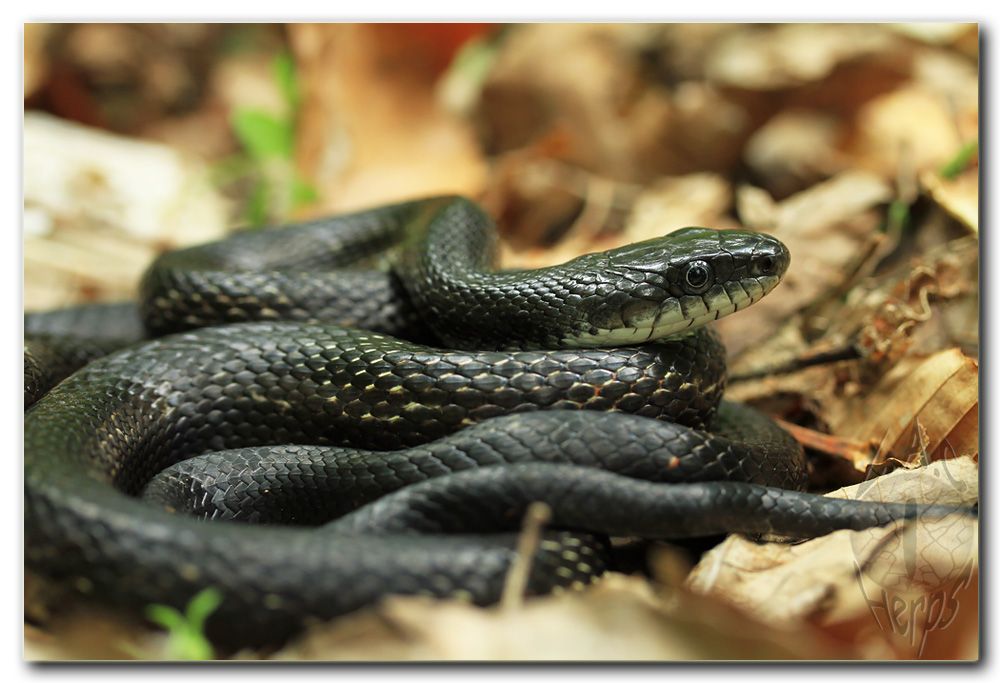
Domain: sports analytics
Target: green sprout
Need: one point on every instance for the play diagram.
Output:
(186, 631)
(268, 144)
(960, 161)
(263, 135)
(899, 215)
(288, 80)
(462, 83)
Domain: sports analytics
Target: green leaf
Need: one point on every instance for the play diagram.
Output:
(461, 85)
(287, 78)
(256, 211)
(202, 605)
(263, 135)
(191, 647)
(475, 59)
(899, 214)
(303, 193)
(960, 161)
(167, 617)
(185, 632)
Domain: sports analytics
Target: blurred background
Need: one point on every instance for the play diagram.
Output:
(143, 137)
(855, 144)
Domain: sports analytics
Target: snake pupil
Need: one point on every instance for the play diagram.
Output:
(767, 265)
(697, 274)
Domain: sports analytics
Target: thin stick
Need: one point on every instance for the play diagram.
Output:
(805, 360)
(535, 518)
(853, 451)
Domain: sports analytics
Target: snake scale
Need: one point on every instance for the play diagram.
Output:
(362, 406)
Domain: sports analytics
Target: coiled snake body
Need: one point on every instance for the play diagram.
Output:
(371, 465)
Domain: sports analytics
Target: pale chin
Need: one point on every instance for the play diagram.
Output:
(681, 315)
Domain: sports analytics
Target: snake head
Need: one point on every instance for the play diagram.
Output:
(678, 282)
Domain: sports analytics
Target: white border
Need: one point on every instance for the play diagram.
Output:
(429, 10)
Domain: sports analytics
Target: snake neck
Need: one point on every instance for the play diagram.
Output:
(638, 293)
(448, 267)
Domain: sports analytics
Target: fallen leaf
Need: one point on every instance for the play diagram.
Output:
(887, 316)
(795, 149)
(36, 62)
(937, 394)
(911, 126)
(851, 576)
(668, 204)
(773, 57)
(618, 618)
(955, 79)
(590, 82)
(934, 32)
(59, 626)
(959, 196)
(369, 134)
(577, 77)
(549, 211)
(756, 208)
(826, 228)
(104, 206)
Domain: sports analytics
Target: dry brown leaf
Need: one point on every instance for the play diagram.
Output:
(795, 149)
(924, 304)
(87, 636)
(934, 399)
(370, 134)
(941, 626)
(826, 229)
(549, 211)
(99, 207)
(206, 133)
(122, 77)
(823, 206)
(848, 576)
(577, 77)
(934, 32)
(619, 618)
(59, 626)
(938, 394)
(767, 58)
(756, 208)
(546, 194)
(683, 48)
(955, 79)
(668, 204)
(887, 316)
(954, 481)
(247, 81)
(36, 63)
(911, 127)
(697, 128)
(958, 196)
(589, 82)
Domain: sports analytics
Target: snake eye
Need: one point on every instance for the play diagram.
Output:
(697, 276)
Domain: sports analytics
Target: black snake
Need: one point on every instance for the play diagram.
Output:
(373, 465)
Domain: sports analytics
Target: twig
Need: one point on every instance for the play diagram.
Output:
(807, 359)
(535, 518)
(850, 450)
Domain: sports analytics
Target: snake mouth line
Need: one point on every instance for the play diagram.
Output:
(679, 315)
